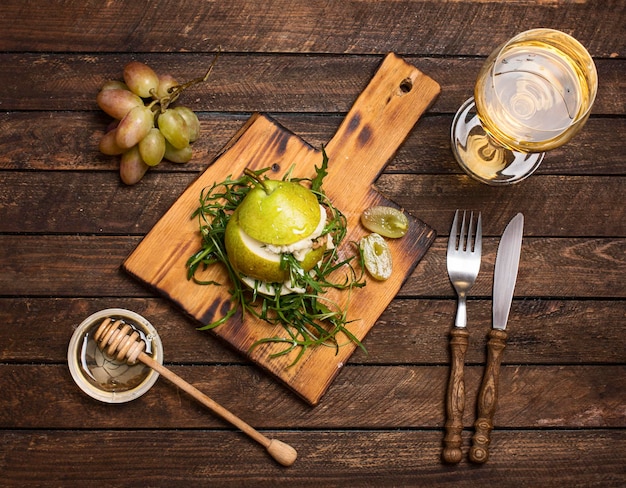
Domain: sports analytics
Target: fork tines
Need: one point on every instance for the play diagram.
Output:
(460, 241)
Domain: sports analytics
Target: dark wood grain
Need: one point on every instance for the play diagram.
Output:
(362, 397)
(542, 331)
(304, 26)
(67, 224)
(359, 459)
(265, 83)
(69, 141)
(89, 266)
(99, 204)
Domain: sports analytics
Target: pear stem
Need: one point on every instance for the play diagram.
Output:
(251, 174)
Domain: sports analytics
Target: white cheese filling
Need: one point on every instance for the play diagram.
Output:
(300, 248)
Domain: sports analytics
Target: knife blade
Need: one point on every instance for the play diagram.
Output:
(504, 279)
(505, 274)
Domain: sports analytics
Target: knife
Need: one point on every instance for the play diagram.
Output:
(505, 275)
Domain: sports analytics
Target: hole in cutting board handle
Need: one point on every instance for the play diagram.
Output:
(406, 86)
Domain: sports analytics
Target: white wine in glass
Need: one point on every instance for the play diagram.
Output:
(532, 95)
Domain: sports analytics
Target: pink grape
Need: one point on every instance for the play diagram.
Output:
(108, 144)
(132, 167)
(117, 102)
(134, 127)
(152, 147)
(165, 83)
(111, 84)
(141, 79)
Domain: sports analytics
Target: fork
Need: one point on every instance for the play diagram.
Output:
(463, 262)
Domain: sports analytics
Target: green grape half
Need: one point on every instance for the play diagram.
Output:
(376, 256)
(386, 221)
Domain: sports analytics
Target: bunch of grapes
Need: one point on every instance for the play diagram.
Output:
(147, 128)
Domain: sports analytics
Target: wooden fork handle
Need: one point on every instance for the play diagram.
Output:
(488, 397)
(455, 397)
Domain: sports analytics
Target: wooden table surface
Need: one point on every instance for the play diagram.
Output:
(67, 223)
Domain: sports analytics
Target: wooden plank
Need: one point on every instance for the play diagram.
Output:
(303, 26)
(373, 397)
(358, 459)
(409, 332)
(552, 205)
(253, 83)
(381, 458)
(378, 123)
(68, 141)
(599, 263)
(89, 266)
(570, 206)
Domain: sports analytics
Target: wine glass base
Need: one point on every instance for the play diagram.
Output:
(481, 158)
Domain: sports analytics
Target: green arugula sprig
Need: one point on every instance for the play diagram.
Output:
(309, 319)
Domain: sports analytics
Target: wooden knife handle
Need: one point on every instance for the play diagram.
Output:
(488, 397)
(455, 398)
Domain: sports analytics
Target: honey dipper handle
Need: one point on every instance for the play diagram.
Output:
(455, 397)
(281, 452)
(488, 397)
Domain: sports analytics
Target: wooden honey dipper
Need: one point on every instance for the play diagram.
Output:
(125, 344)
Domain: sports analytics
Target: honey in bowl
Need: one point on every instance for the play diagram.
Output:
(106, 378)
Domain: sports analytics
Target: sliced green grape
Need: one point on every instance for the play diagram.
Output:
(177, 155)
(386, 221)
(174, 128)
(141, 79)
(152, 147)
(191, 119)
(117, 102)
(132, 167)
(134, 127)
(376, 256)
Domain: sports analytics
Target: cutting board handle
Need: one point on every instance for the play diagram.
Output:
(379, 121)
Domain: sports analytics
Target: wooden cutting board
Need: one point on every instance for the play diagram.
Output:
(367, 139)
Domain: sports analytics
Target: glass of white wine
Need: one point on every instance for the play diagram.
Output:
(532, 95)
